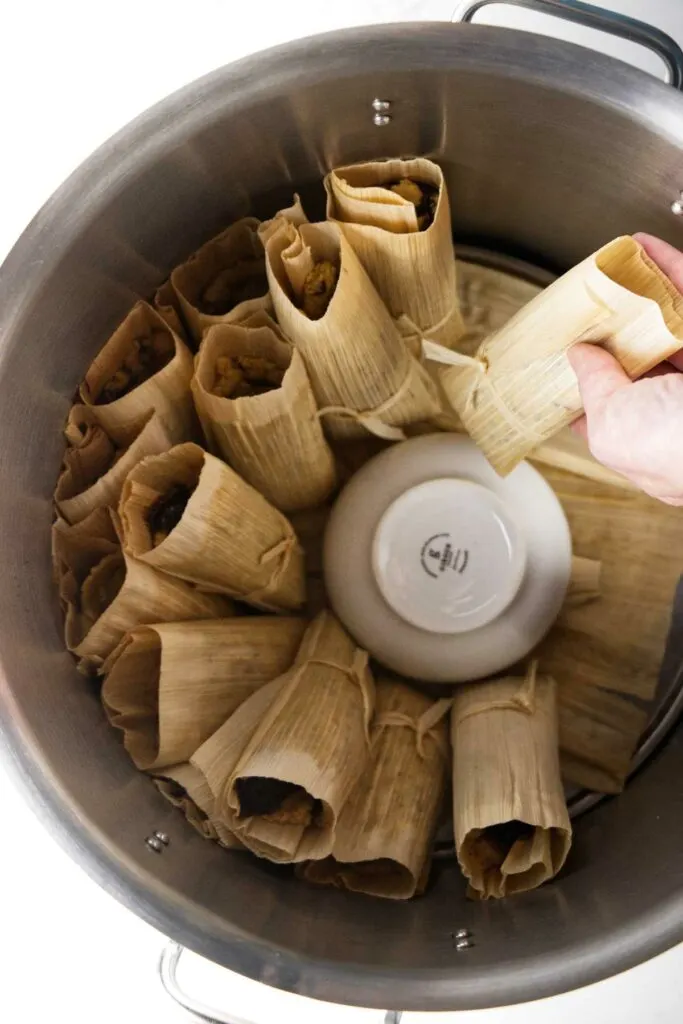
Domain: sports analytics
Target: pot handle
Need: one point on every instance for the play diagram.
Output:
(597, 17)
(168, 973)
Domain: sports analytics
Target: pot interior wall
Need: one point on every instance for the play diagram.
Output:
(534, 168)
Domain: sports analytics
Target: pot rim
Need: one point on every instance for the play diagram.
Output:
(429, 47)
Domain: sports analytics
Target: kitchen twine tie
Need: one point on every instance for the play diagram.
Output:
(280, 553)
(424, 726)
(524, 700)
(371, 419)
(439, 354)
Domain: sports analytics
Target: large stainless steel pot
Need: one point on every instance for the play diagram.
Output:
(549, 150)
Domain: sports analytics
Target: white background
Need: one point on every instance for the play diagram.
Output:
(71, 74)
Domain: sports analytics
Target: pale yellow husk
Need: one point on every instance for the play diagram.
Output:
(362, 374)
(506, 769)
(169, 686)
(384, 837)
(618, 641)
(233, 258)
(229, 540)
(520, 389)
(94, 469)
(275, 441)
(185, 788)
(309, 728)
(166, 393)
(106, 593)
(413, 271)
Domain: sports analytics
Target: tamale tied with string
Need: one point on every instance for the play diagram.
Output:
(363, 377)
(189, 514)
(512, 828)
(384, 837)
(284, 765)
(519, 389)
(258, 412)
(169, 686)
(396, 217)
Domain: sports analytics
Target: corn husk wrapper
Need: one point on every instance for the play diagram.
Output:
(275, 441)
(383, 841)
(506, 769)
(364, 378)
(185, 788)
(168, 687)
(229, 540)
(584, 582)
(569, 452)
(166, 393)
(310, 728)
(488, 299)
(106, 593)
(520, 389)
(168, 307)
(233, 259)
(94, 469)
(617, 642)
(413, 271)
(599, 733)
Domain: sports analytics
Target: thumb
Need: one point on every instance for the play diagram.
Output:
(599, 374)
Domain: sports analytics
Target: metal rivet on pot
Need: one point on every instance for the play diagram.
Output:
(462, 933)
(677, 207)
(157, 841)
(381, 118)
(463, 944)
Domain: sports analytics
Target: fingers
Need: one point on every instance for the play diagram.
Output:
(599, 374)
(667, 258)
(580, 427)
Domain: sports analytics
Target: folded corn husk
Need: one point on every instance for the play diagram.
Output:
(274, 440)
(105, 593)
(584, 582)
(599, 733)
(229, 539)
(222, 280)
(413, 270)
(168, 307)
(169, 686)
(309, 728)
(362, 374)
(506, 775)
(569, 452)
(488, 298)
(94, 469)
(383, 840)
(167, 392)
(185, 788)
(519, 389)
(617, 642)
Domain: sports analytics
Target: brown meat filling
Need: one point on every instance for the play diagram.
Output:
(319, 287)
(166, 512)
(243, 376)
(242, 281)
(145, 357)
(423, 197)
(277, 801)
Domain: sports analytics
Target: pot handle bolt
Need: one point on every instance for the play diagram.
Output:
(381, 117)
(677, 205)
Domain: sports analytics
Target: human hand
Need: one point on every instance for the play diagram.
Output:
(636, 427)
